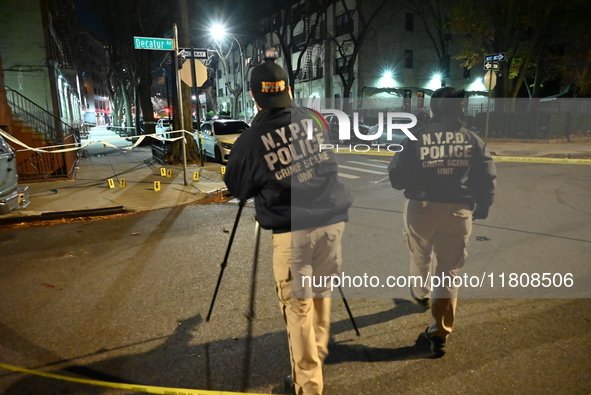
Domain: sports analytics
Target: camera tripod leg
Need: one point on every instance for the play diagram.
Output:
(349, 311)
(250, 315)
(225, 261)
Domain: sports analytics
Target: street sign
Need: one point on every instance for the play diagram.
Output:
(491, 62)
(497, 57)
(490, 80)
(185, 53)
(159, 44)
(488, 65)
(200, 73)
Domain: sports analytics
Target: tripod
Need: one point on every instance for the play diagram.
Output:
(251, 314)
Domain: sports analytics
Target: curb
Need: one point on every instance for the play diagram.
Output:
(52, 216)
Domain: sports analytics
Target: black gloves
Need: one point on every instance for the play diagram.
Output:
(480, 212)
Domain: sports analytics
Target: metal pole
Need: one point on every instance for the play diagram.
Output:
(250, 314)
(195, 89)
(225, 261)
(179, 111)
(488, 107)
(349, 311)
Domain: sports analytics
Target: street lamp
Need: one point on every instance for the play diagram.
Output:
(218, 32)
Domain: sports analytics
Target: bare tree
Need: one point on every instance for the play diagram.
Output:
(357, 22)
(311, 14)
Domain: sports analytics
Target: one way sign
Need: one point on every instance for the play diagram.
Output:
(497, 57)
(491, 65)
(491, 62)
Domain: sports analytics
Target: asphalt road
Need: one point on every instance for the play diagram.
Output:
(124, 298)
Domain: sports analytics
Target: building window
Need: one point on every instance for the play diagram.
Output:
(410, 22)
(420, 99)
(344, 24)
(318, 69)
(408, 59)
(407, 97)
(299, 41)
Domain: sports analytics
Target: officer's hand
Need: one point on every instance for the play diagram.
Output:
(480, 212)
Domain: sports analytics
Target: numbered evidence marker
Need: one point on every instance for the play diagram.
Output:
(223, 170)
(169, 173)
(111, 183)
(163, 171)
(157, 186)
(122, 183)
(196, 176)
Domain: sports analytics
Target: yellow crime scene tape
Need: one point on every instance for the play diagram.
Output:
(522, 159)
(131, 387)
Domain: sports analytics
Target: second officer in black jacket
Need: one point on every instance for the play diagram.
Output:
(279, 161)
(448, 177)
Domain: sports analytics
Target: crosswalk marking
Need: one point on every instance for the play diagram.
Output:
(361, 170)
(350, 176)
(367, 164)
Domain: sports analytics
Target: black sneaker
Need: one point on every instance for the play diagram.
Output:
(424, 303)
(289, 386)
(437, 344)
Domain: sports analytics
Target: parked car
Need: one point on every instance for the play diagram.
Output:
(217, 137)
(333, 131)
(163, 125)
(397, 135)
(11, 195)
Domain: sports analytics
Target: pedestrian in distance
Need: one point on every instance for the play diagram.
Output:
(448, 177)
(297, 195)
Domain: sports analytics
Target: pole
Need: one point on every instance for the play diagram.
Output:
(195, 91)
(488, 107)
(225, 261)
(349, 311)
(179, 99)
(243, 82)
(250, 314)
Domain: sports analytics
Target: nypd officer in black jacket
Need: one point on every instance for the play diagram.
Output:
(297, 194)
(448, 176)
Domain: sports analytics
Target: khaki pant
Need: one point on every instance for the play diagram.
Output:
(311, 252)
(437, 237)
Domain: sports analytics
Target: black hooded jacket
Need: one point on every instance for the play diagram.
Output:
(293, 180)
(447, 164)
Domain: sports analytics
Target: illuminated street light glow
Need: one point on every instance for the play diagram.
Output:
(387, 80)
(435, 82)
(218, 32)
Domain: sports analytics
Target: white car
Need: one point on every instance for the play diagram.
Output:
(12, 196)
(217, 137)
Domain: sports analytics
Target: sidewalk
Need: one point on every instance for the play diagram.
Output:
(89, 194)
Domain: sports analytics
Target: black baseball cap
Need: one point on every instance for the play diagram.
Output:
(269, 86)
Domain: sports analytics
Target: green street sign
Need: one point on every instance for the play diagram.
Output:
(159, 44)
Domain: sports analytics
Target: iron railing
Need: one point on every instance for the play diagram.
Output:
(38, 166)
(42, 120)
